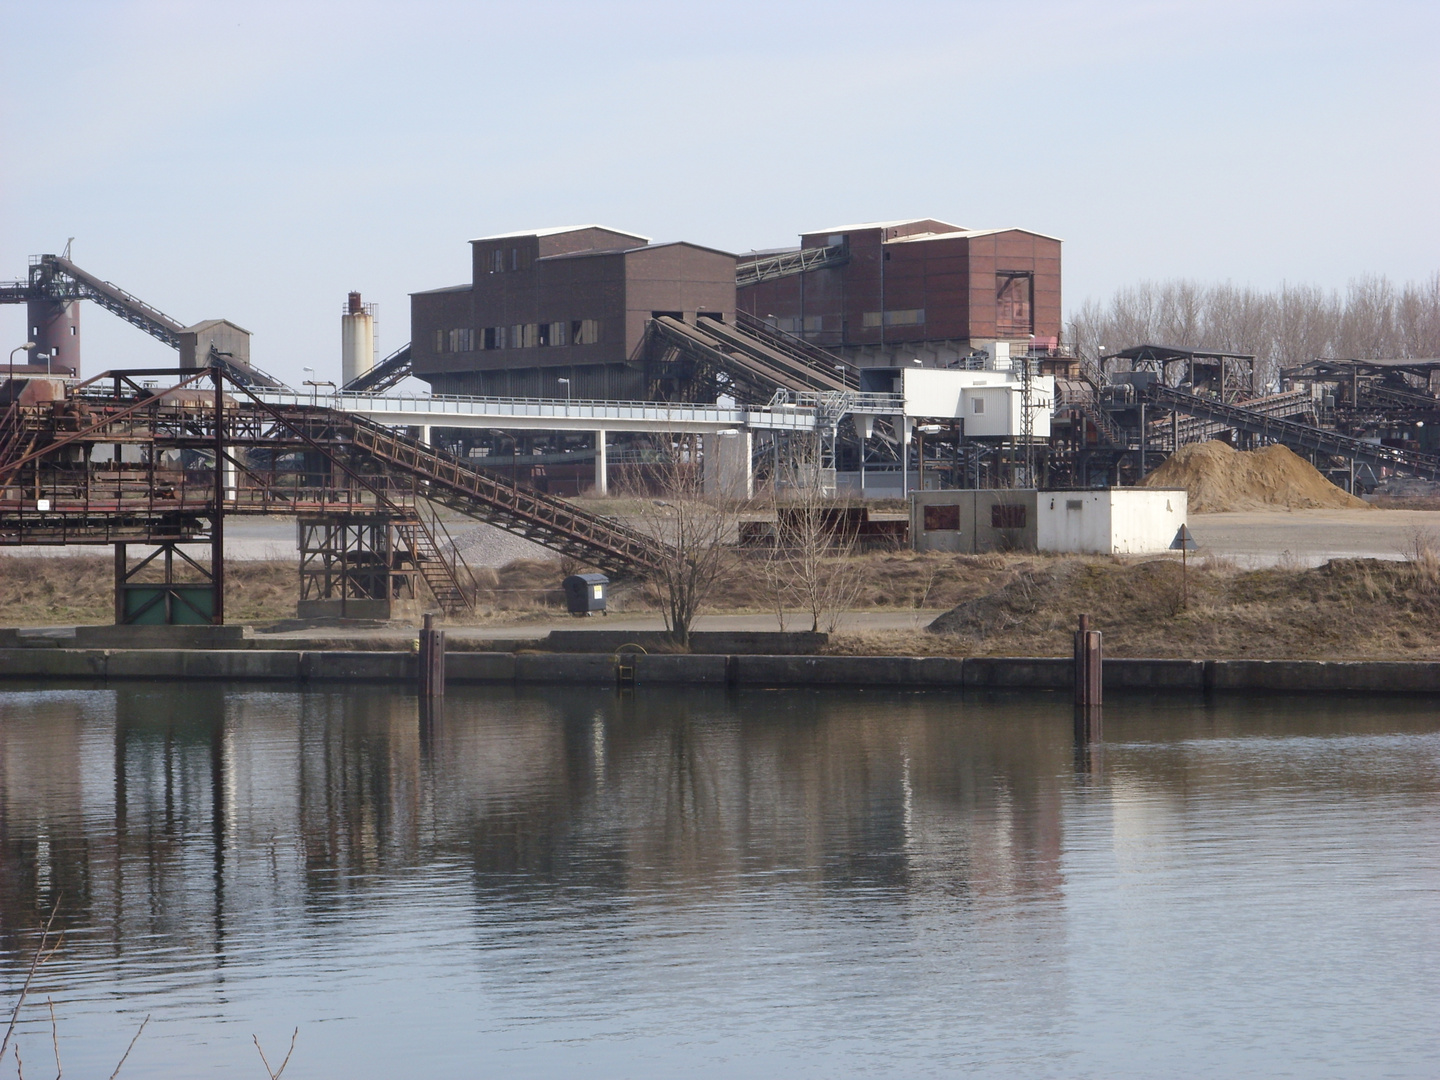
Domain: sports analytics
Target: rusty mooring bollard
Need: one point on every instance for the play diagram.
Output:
(432, 660)
(1089, 681)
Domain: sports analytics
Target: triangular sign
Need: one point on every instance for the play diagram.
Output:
(1183, 540)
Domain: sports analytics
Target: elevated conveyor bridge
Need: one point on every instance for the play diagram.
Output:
(1302, 438)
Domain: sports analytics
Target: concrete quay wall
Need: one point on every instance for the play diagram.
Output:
(600, 669)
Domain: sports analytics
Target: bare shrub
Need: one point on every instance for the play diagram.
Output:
(694, 530)
(812, 566)
(1422, 554)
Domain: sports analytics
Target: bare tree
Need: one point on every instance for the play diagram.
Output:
(812, 566)
(1282, 328)
(695, 530)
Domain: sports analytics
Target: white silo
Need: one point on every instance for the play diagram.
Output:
(357, 339)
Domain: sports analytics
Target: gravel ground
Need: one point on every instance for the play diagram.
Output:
(485, 545)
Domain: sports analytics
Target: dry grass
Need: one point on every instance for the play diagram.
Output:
(1347, 609)
(78, 590)
(1014, 605)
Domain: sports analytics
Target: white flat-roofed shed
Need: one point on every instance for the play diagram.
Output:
(1111, 521)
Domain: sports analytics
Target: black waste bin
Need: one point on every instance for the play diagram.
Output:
(585, 593)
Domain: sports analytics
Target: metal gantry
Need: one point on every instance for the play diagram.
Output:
(119, 462)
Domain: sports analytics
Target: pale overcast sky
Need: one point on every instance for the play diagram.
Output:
(255, 161)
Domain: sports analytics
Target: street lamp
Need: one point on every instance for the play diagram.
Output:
(19, 348)
(565, 383)
(307, 382)
(315, 385)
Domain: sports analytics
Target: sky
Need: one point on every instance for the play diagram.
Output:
(256, 161)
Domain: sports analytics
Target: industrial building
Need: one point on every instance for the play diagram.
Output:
(575, 303)
(882, 293)
(567, 304)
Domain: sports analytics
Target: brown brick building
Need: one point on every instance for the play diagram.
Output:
(918, 286)
(568, 303)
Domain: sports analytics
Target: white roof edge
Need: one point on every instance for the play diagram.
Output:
(556, 230)
(873, 225)
(969, 233)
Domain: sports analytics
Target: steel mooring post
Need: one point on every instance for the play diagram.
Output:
(432, 660)
(1089, 681)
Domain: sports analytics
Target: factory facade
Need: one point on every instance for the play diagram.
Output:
(562, 304)
(564, 311)
(893, 290)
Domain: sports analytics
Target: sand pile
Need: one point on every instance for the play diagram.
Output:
(1219, 477)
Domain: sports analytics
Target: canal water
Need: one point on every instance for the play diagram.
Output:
(573, 883)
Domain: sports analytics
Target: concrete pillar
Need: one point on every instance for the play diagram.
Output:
(424, 433)
(602, 465)
(903, 423)
(727, 470)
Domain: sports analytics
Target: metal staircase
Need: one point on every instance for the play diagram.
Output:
(557, 524)
(1083, 396)
(17, 438)
(441, 574)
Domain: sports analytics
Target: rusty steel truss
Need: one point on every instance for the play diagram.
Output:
(122, 460)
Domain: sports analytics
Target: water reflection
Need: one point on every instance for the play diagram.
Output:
(200, 839)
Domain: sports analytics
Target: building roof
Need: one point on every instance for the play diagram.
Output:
(627, 250)
(206, 324)
(1167, 353)
(448, 288)
(861, 226)
(966, 234)
(556, 231)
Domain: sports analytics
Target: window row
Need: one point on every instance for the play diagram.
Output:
(519, 336)
(500, 260)
(792, 324)
(903, 317)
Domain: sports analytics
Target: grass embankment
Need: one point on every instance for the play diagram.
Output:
(998, 605)
(1347, 609)
(79, 590)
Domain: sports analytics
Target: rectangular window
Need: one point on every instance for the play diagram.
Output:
(439, 340)
(585, 331)
(497, 261)
(1007, 517)
(462, 340)
(901, 317)
(977, 405)
(942, 518)
(524, 335)
(1014, 308)
(555, 333)
(514, 258)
